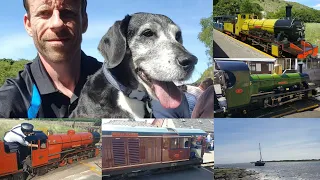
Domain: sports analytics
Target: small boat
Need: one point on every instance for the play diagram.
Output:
(260, 162)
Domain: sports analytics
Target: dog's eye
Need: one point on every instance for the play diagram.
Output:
(178, 36)
(148, 33)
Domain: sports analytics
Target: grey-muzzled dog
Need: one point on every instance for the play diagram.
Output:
(143, 56)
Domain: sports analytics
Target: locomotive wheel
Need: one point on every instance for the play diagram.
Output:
(19, 176)
(10, 177)
(42, 170)
(63, 163)
(70, 161)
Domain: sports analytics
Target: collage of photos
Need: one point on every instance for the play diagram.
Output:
(112, 90)
(266, 89)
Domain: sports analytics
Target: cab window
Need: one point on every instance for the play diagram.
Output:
(43, 144)
(174, 143)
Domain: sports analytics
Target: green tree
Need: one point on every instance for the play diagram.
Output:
(251, 8)
(206, 74)
(10, 68)
(226, 7)
(206, 35)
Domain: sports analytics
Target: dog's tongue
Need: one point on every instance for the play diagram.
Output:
(168, 94)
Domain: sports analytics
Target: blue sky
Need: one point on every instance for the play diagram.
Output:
(311, 3)
(102, 14)
(237, 140)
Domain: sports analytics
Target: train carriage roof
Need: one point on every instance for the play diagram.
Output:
(187, 132)
(108, 129)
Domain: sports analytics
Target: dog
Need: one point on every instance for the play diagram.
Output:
(144, 56)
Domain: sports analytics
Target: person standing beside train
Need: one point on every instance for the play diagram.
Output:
(198, 90)
(205, 104)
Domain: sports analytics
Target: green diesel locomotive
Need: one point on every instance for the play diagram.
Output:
(242, 91)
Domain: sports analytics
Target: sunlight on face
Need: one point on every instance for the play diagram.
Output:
(56, 27)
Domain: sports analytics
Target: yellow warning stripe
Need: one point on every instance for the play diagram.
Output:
(92, 168)
(310, 107)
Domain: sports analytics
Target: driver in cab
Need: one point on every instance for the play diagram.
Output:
(14, 140)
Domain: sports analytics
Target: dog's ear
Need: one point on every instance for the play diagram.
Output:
(113, 44)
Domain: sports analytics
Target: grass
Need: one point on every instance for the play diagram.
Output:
(38, 125)
(312, 33)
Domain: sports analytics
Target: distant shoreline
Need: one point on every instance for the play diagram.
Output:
(302, 160)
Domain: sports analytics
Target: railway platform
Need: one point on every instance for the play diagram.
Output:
(89, 169)
(225, 46)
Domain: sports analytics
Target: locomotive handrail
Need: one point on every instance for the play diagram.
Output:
(280, 94)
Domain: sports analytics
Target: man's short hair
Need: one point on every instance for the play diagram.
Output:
(206, 83)
(83, 6)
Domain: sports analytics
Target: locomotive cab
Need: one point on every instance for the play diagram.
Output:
(234, 77)
(39, 155)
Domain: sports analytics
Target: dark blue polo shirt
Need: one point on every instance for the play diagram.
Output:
(181, 111)
(19, 95)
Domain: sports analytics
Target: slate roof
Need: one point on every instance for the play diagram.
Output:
(129, 123)
(204, 124)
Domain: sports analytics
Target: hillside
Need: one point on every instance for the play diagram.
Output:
(275, 5)
(10, 68)
(273, 8)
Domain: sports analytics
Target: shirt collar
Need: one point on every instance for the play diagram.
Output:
(44, 82)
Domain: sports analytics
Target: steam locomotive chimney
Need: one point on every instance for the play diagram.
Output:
(288, 11)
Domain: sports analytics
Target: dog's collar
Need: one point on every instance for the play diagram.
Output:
(132, 94)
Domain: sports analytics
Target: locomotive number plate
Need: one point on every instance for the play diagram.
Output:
(173, 164)
(239, 91)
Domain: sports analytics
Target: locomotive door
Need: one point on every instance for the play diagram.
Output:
(40, 154)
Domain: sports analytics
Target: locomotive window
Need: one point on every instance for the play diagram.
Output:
(230, 79)
(243, 16)
(183, 143)
(43, 144)
(165, 143)
(174, 143)
(34, 142)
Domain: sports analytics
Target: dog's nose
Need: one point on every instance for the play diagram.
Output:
(188, 62)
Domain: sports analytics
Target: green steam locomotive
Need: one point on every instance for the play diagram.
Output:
(242, 91)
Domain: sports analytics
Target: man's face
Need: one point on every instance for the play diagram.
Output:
(27, 133)
(56, 27)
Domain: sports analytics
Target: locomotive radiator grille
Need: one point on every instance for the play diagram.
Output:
(118, 152)
(134, 154)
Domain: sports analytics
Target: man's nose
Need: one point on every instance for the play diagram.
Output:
(56, 23)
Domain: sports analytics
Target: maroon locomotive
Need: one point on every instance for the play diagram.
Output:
(128, 149)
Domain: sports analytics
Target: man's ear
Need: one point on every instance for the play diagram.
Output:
(27, 24)
(84, 23)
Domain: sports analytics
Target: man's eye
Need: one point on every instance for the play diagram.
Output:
(67, 14)
(45, 13)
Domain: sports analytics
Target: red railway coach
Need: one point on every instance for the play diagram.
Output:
(53, 151)
(128, 149)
